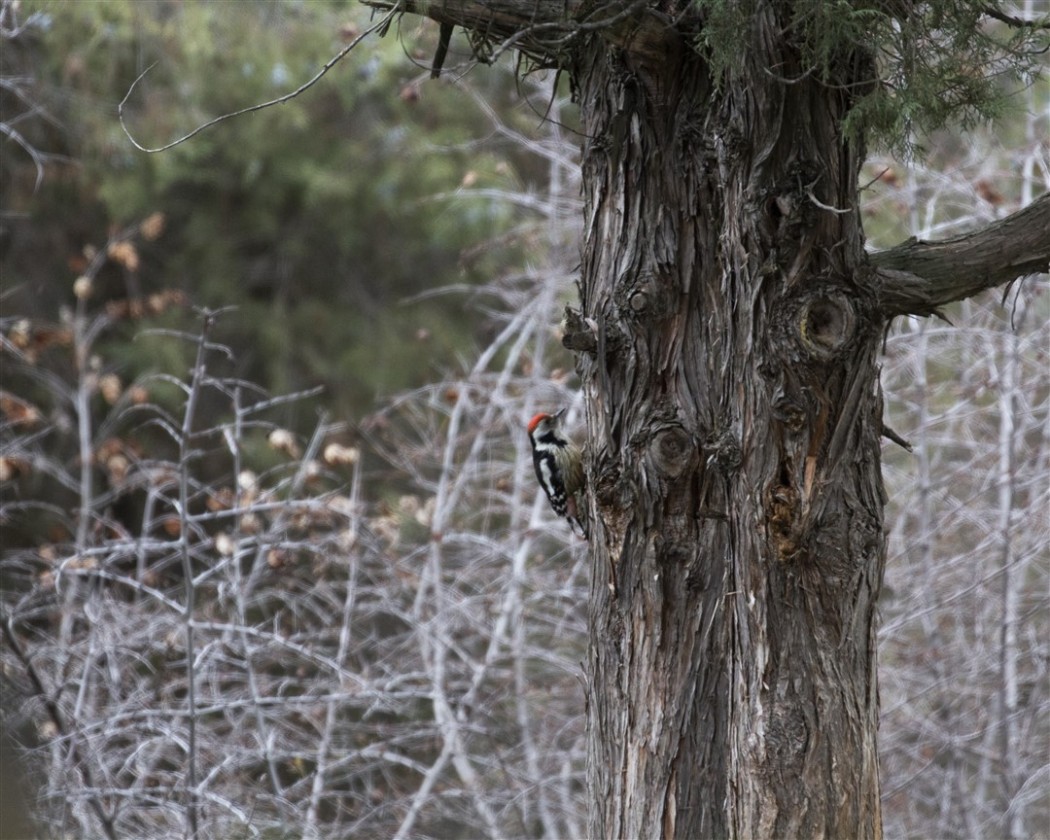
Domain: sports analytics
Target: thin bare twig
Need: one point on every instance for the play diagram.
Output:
(258, 106)
(824, 206)
(185, 454)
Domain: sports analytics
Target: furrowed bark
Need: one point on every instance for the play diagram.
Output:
(919, 277)
(734, 416)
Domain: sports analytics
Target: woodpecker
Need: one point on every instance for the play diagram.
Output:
(559, 467)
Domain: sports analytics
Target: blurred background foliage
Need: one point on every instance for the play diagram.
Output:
(319, 219)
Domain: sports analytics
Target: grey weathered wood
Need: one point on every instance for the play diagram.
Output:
(728, 343)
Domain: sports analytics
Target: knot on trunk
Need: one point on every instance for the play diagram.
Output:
(826, 324)
(723, 451)
(645, 297)
(672, 451)
(579, 334)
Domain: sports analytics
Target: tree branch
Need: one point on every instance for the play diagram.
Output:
(918, 277)
(543, 29)
(1016, 22)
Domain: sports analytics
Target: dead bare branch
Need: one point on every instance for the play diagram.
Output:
(378, 25)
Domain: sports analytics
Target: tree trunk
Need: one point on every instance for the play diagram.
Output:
(728, 343)
(734, 418)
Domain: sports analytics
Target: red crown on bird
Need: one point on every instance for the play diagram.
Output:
(535, 421)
